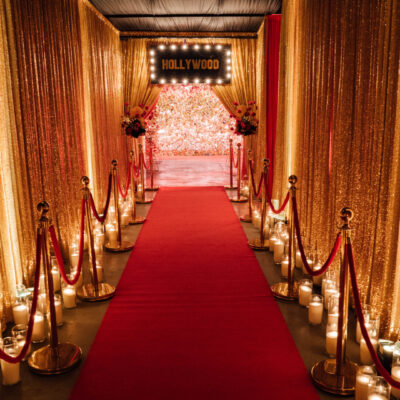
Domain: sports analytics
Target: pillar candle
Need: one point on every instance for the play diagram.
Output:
(396, 377)
(375, 396)
(113, 237)
(69, 297)
(285, 268)
(99, 237)
(56, 279)
(278, 251)
(305, 292)
(73, 258)
(42, 284)
(315, 311)
(310, 264)
(272, 241)
(358, 331)
(317, 279)
(362, 387)
(10, 373)
(299, 263)
(365, 357)
(329, 292)
(59, 312)
(42, 304)
(331, 342)
(20, 314)
(124, 219)
(38, 328)
(78, 284)
(333, 318)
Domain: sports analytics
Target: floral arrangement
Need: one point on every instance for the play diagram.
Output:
(246, 119)
(133, 122)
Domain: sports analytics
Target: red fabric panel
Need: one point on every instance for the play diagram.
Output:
(193, 317)
(273, 24)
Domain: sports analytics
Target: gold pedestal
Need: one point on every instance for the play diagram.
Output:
(55, 361)
(123, 246)
(152, 189)
(256, 244)
(246, 218)
(139, 201)
(137, 220)
(87, 292)
(230, 187)
(323, 374)
(239, 200)
(281, 291)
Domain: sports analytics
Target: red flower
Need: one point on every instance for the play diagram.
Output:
(127, 104)
(146, 108)
(253, 114)
(141, 105)
(235, 103)
(239, 111)
(251, 102)
(151, 117)
(143, 114)
(231, 129)
(246, 113)
(137, 116)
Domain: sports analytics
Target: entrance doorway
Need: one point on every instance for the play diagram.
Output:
(190, 130)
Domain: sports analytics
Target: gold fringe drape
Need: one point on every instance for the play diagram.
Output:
(61, 101)
(341, 69)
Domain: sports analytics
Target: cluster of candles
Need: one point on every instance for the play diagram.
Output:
(369, 386)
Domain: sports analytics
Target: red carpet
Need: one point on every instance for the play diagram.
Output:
(193, 317)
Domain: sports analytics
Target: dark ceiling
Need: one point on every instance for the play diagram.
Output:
(187, 15)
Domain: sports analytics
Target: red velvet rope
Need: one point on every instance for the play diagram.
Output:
(357, 301)
(284, 204)
(57, 250)
(4, 356)
(332, 255)
(92, 205)
(258, 192)
(136, 169)
(128, 182)
(144, 162)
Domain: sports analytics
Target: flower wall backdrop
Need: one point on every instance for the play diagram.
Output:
(190, 120)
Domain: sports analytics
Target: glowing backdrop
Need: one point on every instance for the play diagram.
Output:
(190, 120)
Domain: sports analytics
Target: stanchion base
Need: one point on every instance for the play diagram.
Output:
(87, 292)
(256, 244)
(152, 189)
(140, 201)
(281, 291)
(323, 374)
(49, 361)
(124, 246)
(239, 200)
(230, 187)
(137, 220)
(246, 218)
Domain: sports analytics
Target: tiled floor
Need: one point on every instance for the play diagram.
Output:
(192, 171)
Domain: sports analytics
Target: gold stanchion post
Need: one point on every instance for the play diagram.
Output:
(95, 290)
(249, 217)
(152, 188)
(338, 375)
(54, 358)
(122, 245)
(289, 289)
(136, 219)
(239, 198)
(142, 194)
(259, 244)
(230, 166)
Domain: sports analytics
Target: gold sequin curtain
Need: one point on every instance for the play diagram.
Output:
(103, 86)
(342, 68)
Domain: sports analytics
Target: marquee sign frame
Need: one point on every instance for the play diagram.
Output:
(192, 63)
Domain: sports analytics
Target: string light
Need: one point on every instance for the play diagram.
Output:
(185, 81)
(173, 81)
(228, 53)
(162, 81)
(197, 80)
(207, 47)
(208, 81)
(228, 76)
(184, 46)
(152, 68)
(173, 46)
(161, 47)
(219, 81)
(153, 76)
(152, 52)
(152, 60)
(219, 47)
(196, 46)
(228, 67)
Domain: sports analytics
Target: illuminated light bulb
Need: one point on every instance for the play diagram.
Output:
(173, 46)
(152, 68)
(219, 47)
(228, 53)
(228, 75)
(173, 81)
(161, 47)
(184, 46)
(208, 81)
(196, 80)
(153, 76)
(152, 52)
(219, 81)
(228, 60)
(228, 67)
(207, 47)
(185, 81)
(196, 46)
(162, 81)
(152, 60)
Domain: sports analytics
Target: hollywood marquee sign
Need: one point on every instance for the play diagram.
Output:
(190, 63)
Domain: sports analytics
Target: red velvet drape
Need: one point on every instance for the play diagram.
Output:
(272, 70)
